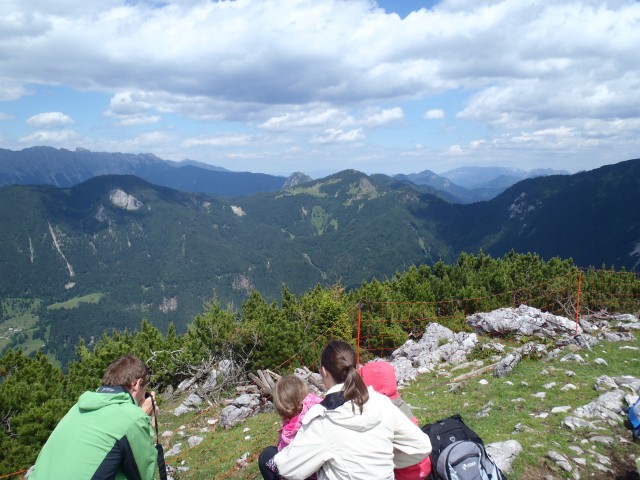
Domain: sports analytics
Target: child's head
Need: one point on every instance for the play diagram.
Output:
(288, 396)
(382, 377)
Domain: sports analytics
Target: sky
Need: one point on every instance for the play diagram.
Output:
(319, 86)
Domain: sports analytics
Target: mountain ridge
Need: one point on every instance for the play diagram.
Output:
(473, 183)
(146, 251)
(63, 168)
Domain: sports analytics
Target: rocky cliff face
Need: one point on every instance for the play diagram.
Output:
(296, 178)
(123, 200)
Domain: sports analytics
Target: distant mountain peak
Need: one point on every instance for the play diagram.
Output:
(491, 177)
(297, 178)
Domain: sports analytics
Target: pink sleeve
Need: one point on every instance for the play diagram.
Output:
(414, 472)
(288, 432)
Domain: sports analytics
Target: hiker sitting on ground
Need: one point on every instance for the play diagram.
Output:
(291, 400)
(108, 433)
(382, 377)
(355, 433)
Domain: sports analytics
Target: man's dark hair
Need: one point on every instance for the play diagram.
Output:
(126, 371)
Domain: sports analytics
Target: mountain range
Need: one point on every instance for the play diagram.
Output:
(473, 184)
(113, 249)
(64, 168)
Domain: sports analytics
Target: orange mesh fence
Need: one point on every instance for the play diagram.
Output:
(381, 327)
(14, 474)
(608, 291)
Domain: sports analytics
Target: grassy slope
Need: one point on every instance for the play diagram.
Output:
(74, 302)
(431, 398)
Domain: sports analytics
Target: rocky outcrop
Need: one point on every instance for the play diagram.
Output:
(123, 200)
(296, 178)
(523, 321)
(242, 408)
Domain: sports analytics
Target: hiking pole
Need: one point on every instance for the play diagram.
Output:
(162, 466)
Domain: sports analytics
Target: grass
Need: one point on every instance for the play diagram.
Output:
(321, 220)
(74, 302)
(22, 314)
(431, 398)
(313, 190)
(216, 456)
(530, 377)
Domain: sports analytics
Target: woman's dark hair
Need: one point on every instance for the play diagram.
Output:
(339, 359)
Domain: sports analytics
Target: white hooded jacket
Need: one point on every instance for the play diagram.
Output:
(342, 444)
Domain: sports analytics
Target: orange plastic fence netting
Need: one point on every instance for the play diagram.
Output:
(381, 327)
(14, 474)
(385, 326)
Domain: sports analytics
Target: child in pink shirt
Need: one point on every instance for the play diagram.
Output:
(292, 400)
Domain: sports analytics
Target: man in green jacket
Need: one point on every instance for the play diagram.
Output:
(108, 434)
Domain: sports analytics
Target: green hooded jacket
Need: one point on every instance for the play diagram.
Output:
(105, 436)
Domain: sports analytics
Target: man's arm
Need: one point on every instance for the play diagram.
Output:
(144, 456)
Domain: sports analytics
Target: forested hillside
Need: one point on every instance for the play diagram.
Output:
(114, 250)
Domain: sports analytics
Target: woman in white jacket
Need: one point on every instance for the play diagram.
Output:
(355, 433)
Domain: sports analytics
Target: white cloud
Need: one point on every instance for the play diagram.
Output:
(435, 114)
(287, 52)
(139, 120)
(219, 141)
(126, 115)
(456, 150)
(301, 120)
(50, 137)
(332, 71)
(236, 140)
(6, 116)
(334, 135)
(10, 88)
(334, 117)
(377, 117)
(148, 140)
(49, 120)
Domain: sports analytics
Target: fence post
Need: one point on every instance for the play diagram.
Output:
(358, 334)
(578, 302)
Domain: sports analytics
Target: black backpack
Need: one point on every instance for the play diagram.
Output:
(458, 452)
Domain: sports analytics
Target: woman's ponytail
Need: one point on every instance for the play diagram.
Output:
(355, 388)
(339, 359)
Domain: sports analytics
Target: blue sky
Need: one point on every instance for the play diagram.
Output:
(318, 86)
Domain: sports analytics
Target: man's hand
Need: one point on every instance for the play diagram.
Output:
(149, 404)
